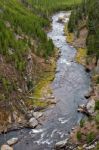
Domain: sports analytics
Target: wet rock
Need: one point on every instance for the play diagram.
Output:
(87, 109)
(91, 106)
(87, 69)
(81, 108)
(88, 95)
(6, 147)
(85, 145)
(61, 19)
(90, 147)
(12, 141)
(29, 115)
(61, 144)
(51, 97)
(38, 108)
(73, 128)
(33, 122)
(37, 114)
(51, 102)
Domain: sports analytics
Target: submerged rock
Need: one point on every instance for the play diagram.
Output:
(33, 122)
(6, 147)
(61, 144)
(60, 19)
(12, 141)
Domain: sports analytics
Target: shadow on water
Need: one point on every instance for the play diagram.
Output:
(69, 87)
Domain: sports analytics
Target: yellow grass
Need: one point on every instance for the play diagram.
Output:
(81, 55)
(69, 36)
(43, 86)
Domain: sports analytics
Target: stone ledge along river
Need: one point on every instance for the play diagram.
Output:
(70, 85)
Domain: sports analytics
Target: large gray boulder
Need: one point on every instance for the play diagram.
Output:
(33, 122)
(6, 147)
(12, 141)
(91, 106)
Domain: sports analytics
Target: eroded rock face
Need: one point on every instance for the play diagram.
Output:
(33, 122)
(12, 141)
(6, 147)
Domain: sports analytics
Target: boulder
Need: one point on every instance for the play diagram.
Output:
(12, 141)
(6, 147)
(91, 147)
(61, 144)
(37, 114)
(88, 95)
(61, 20)
(33, 122)
(91, 106)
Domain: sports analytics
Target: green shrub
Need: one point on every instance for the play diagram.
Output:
(90, 137)
(79, 135)
(97, 105)
(82, 123)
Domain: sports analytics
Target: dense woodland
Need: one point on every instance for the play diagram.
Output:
(28, 18)
(23, 25)
(88, 13)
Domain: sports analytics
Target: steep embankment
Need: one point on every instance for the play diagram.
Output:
(24, 49)
(84, 35)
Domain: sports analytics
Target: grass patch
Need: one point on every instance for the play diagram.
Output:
(82, 123)
(81, 55)
(69, 36)
(38, 92)
(43, 83)
(43, 86)
(79, 135)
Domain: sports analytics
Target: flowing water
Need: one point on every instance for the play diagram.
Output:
(70, 85)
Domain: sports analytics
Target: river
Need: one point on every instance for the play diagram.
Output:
(70, 85)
